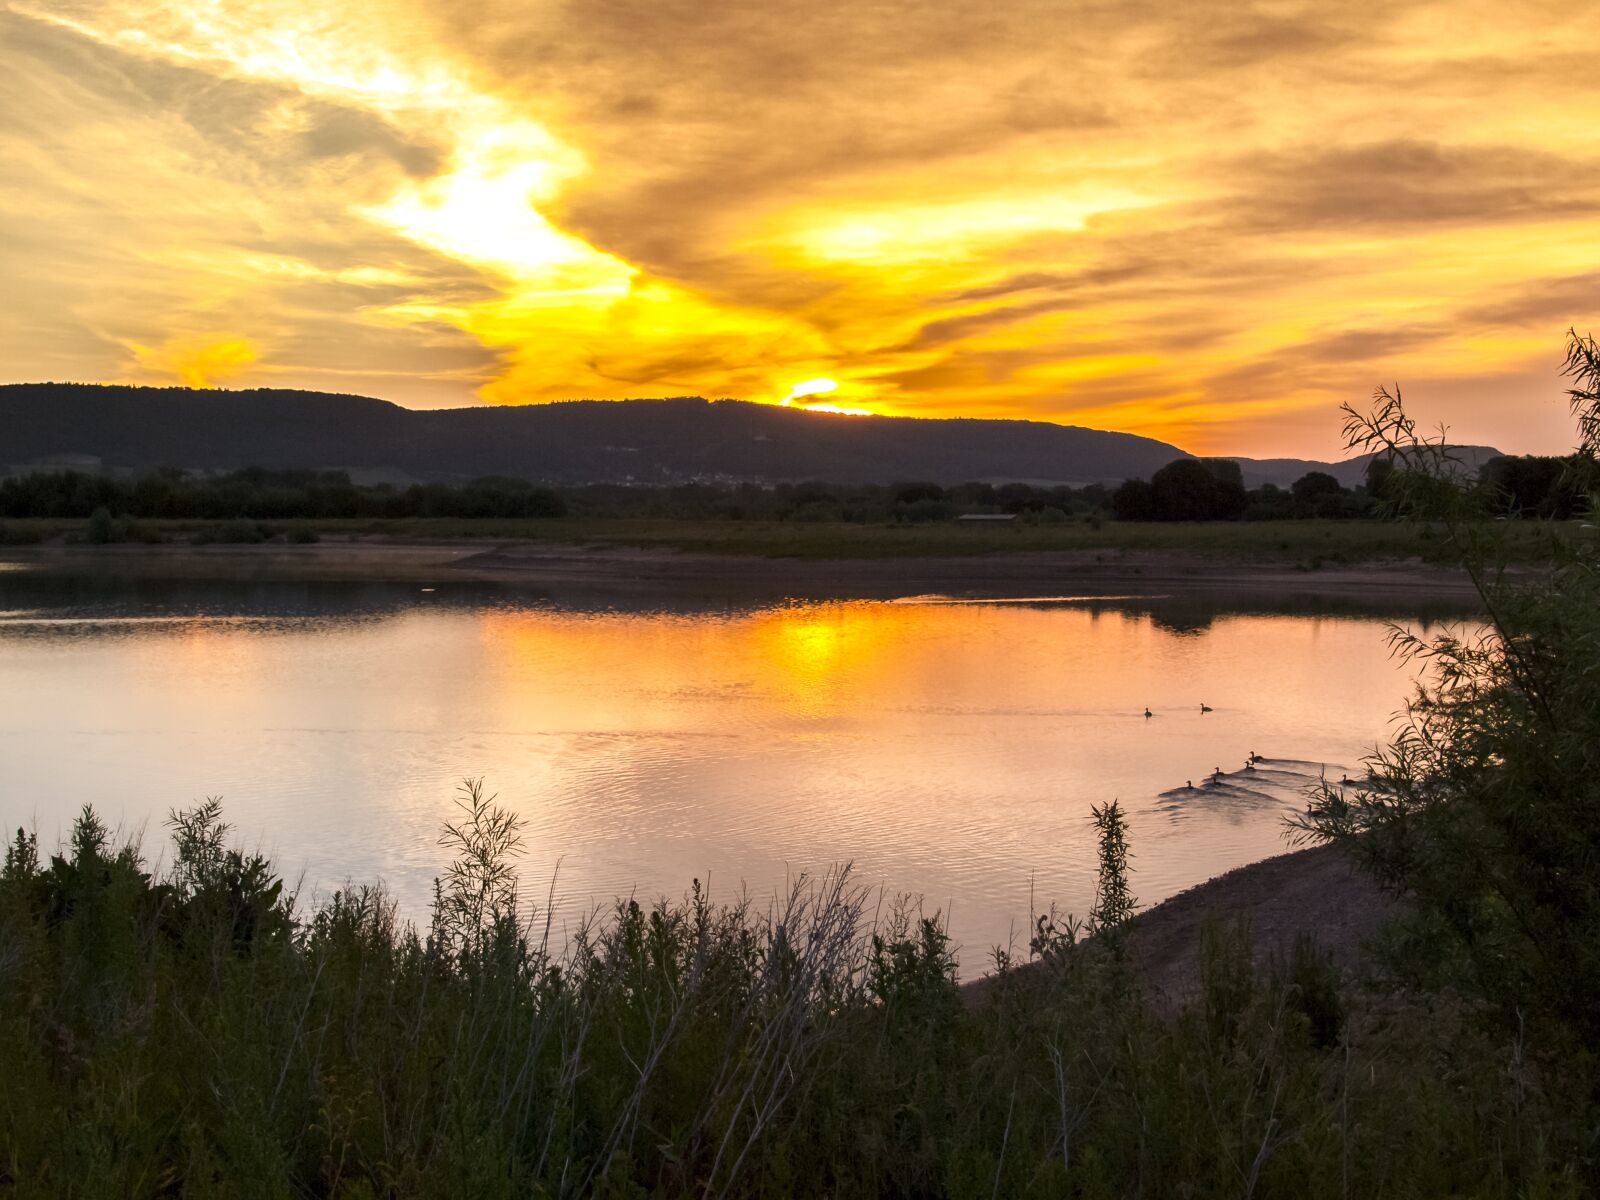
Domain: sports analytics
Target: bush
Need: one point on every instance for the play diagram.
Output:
(198, 1030)
(1484, 808)
(101, 528)
(1134, 500)
(238, 532)
(11, 535)
(1189, 490)
(1312, 984)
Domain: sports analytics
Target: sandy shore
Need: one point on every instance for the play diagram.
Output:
(1315, 891)
(548, 566)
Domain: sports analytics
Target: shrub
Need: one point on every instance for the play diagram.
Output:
(101, 528)
(237, 532)
(1313, 986)
(196, 1030)
(11, 535)
(1134, 500)
(1484, 807)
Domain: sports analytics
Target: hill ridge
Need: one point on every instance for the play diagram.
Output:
(673, 440)
(134, 428)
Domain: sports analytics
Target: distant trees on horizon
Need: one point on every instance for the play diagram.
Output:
(260, 494)
(1200, 489)
(1187, 489)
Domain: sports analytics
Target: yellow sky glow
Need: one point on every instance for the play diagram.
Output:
(1210, 223)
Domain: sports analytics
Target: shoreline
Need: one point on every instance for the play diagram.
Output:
(543, 564)
(1315, 890)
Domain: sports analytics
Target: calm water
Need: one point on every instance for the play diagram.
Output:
(946, 749)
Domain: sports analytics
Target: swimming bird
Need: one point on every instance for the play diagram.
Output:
(1188, 785)
(1148, 714)
(1249, 764)
(1254, 757)
(1204, 707)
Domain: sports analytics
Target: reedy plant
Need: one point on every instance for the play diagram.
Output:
(476, 901)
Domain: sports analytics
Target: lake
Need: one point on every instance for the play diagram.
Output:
(949, 750)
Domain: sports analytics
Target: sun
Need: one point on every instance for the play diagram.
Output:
(810, 387)
(802, 392)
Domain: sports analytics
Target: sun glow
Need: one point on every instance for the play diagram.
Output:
(809, 387)
(197, 362)
(799, 393)
(483, 209)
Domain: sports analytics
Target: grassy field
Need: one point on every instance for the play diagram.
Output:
(1299, 543)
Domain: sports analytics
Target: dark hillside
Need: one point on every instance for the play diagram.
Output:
(1351, 472)
(655, 441)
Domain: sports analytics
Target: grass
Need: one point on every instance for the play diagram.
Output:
(1304, 544)
(195, 1033)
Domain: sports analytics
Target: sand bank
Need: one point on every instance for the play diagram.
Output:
(548, 566)
(1315, 891)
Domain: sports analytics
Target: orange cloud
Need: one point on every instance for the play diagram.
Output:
(196, 362)
(455, 201)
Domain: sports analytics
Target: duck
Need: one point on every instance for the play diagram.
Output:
(1148, 714)
(1204, 707)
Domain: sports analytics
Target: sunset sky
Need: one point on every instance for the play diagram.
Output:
(1210, 222)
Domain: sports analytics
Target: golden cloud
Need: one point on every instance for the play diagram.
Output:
(195, 362)
(1202, 222)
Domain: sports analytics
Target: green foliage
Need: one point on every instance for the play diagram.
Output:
(103, 529)
(1212, 489)
(1189, 490)
(1484, 808)
(22, 857)
(256, 494)
(237, 532)
(1315, 485)
(1227, 977)
(151, 1046)
(100, 529)
(1530, 486)
(1135, 500)
(477, 899)
(1114, 902)
(1313, 987)
(18, 535)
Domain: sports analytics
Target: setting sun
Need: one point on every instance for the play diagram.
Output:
(810, 387)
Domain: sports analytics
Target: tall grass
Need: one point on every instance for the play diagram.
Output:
(195, 1032)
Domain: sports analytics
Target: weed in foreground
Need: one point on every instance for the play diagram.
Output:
(196, 1031)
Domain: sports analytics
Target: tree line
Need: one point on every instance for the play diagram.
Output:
(256, 493)
(1188, 489)
(1212, 489)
